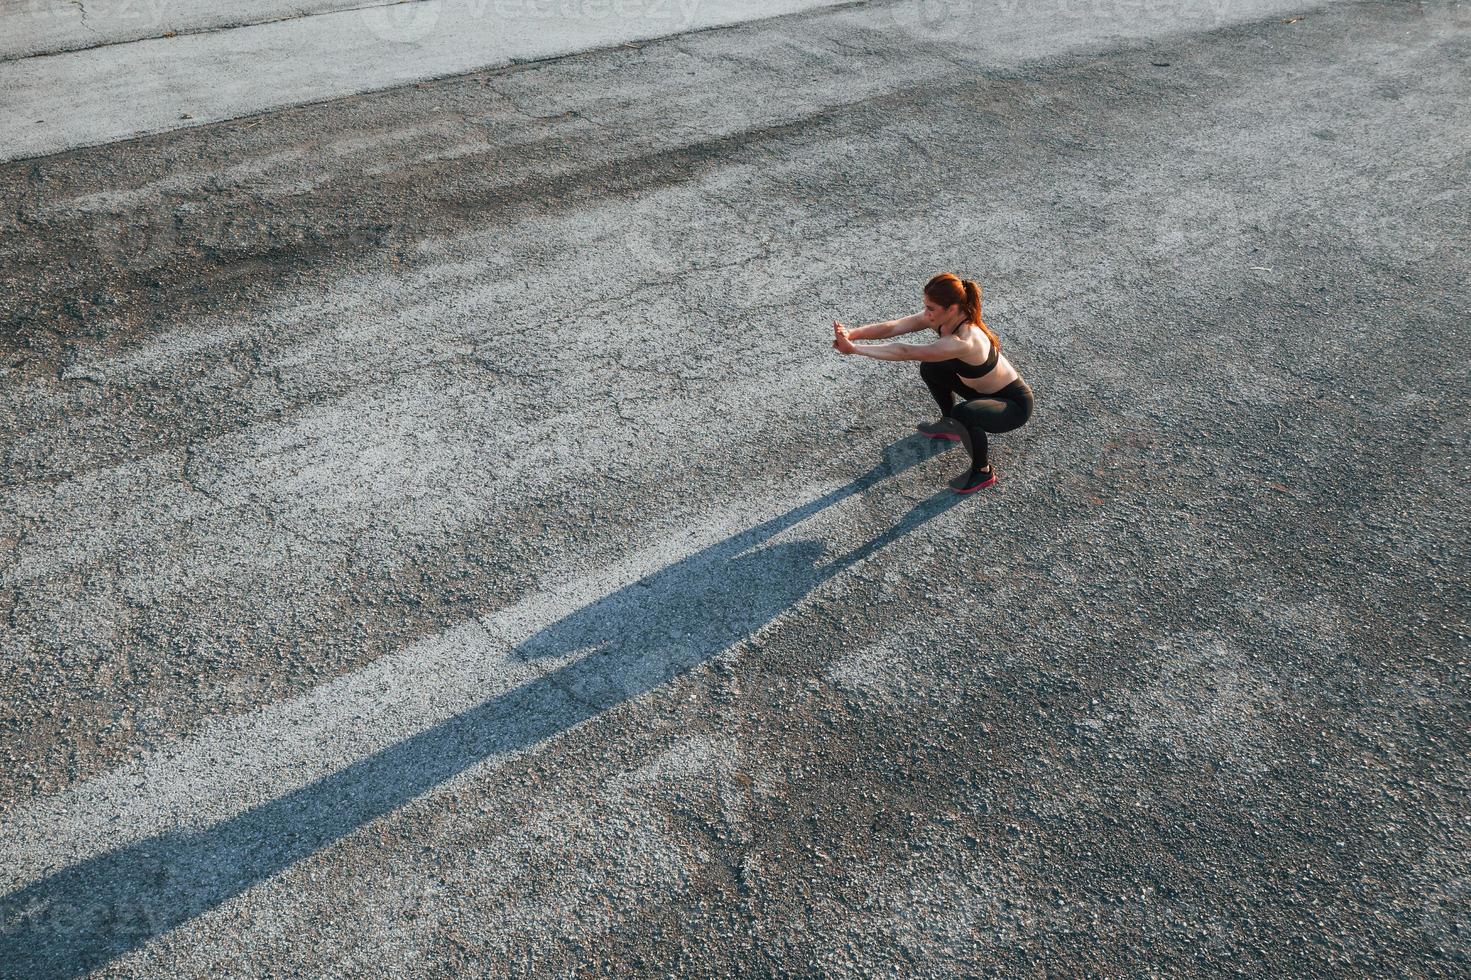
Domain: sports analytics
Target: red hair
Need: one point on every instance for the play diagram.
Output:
(948, 289)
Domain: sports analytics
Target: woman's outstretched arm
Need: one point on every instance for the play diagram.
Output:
(941, 350)
(887, 328)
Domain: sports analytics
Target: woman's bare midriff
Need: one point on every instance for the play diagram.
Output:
(999, 377)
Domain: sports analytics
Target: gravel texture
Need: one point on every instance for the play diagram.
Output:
(438, 538)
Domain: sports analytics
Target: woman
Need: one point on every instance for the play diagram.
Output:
(965, 361)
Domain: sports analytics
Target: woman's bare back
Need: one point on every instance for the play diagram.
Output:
(998, 377)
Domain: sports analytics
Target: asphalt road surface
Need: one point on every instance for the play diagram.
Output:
(438, 537)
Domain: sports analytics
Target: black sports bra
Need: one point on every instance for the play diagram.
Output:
(976, 370)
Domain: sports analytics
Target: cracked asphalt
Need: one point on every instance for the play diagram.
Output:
(439, 539)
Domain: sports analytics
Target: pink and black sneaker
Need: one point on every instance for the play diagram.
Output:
(943, 429)
(972, 480)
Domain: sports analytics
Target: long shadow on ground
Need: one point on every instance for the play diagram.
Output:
(640, 637)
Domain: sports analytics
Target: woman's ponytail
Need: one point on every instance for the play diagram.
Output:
(972, 300)
(948, 289)
(973, 311)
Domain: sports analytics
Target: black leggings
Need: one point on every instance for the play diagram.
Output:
(1001, 411)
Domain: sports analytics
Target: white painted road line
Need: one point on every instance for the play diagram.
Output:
(84, 98)
(50, 26)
